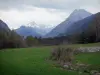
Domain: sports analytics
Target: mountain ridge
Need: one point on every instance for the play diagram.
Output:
(75, 16)
(34, 28)
(27, 31)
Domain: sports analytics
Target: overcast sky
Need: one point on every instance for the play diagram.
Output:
(44, 12)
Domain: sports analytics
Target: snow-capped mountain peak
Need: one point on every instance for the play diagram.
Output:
(40, 29)
(33, 24)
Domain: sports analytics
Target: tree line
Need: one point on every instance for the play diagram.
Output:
(13, 40)
(10, 39)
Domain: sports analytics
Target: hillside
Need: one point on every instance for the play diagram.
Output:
(3, 26)
(27, 31)
(33, 29)
(9, 38)
(75, 16)
(88, 29)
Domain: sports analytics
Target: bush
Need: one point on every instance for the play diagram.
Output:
(63, 55)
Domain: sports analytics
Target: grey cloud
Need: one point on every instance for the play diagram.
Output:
(55, 4)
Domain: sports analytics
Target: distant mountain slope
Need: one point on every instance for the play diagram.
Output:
(9, 38)
(74, 17)
(43, 30)
(4, 31)
(83, 25)
(79, 26)
(34, 29)
(27, 31)
(40, 28)
(86, 30)
(3, 26)
(94, 26)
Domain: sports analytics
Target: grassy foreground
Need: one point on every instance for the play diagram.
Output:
(31, 61)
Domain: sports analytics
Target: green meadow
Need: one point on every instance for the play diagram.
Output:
(32, 61)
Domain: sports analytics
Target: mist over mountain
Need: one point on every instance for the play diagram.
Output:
(75, 16)
(41, 29)
(77, 22)
(27, 31)
(34, 29)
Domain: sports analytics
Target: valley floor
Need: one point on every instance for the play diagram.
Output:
(32, 61)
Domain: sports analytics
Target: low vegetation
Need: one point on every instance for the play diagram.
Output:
(65, 58)
(62, 55)
(34, 61)
(29, 61)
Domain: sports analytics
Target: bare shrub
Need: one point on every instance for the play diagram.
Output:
(63, 55)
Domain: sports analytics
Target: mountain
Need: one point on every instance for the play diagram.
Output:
(79, 26)
(87, 30)
(75, 16)
(27, 31)
(3, 26)
(41, 29)
(9, 38)
(84, 24)
(34, 29)
(4, 30)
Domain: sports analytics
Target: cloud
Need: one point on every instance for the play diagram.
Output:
(41, 16)
(48, 12)
(56, 4)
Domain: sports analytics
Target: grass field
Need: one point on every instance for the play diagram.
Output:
(31, 61)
